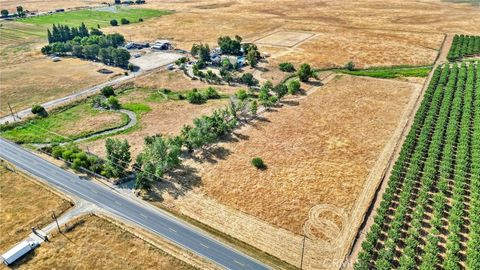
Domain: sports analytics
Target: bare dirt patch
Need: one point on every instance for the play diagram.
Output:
(24, 204)
(94, 243)
(319, 151)
(154, 60)
(284, 38)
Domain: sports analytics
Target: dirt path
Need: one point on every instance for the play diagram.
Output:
(370, 214)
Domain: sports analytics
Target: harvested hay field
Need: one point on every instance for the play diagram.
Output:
(284, 38)
(321, 152)
(23, 205)
(43, 80)
(95, 243)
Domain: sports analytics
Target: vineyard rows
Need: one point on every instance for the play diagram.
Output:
(429, 216)
(463, 46)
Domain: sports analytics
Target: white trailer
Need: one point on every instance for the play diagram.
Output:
(18, 251)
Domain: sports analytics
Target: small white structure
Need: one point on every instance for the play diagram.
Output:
(18, 251)
(162, 44)
(56, 59)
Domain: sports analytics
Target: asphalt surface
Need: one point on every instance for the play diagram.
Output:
(149, 218)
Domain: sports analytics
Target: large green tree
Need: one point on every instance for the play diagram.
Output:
(118, 156)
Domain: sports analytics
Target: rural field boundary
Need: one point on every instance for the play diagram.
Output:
(367, 219)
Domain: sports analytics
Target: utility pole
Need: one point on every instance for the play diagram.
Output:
(303, 250)
(11, 111)
(56, 221)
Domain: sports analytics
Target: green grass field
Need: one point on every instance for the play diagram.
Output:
(57, 126)
(390, 72)
(94, 17)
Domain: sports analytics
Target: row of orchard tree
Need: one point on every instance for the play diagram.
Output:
(435, 177)
(464, 45)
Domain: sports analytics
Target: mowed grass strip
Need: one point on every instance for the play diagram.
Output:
(70, 124)
(390, 72)
(95, 17)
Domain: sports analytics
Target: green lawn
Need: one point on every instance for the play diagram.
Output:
(57, 126)
(94, 17)
(390, 72)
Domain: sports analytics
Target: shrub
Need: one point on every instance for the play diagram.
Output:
(211, 93)
(124, 21)
(140, 20)
(241, 94)
(286, 67)
(195, 97)
(113, 103)
(293, 87)
(39, 110)
(305, 73)
(107, 91)
(258, 163)
(350, 66)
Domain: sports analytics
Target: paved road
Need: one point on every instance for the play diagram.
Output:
(149, 218)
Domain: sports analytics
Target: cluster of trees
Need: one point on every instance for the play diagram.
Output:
(463, 45)
(93, 45)
(440, 146)
(20, 12)
(115, 166)
(106, 100)
(162, 154)
(64, 33)
(200, 97)
(230, 45)
(202, 51)
(114, 22)
(77, 159)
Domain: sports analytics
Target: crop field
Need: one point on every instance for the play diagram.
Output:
(70, 124)
(464, 46)
(319, 153)
(95, 243)
(94, 17)
(429, 214)
(23, 205)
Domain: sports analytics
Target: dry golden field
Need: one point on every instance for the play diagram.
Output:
(95, 243)
(23, 205)
(47, 5)
(40, 80)
(368, 32)
(320, 150)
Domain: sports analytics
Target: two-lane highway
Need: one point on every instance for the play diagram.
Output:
(149, 218)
